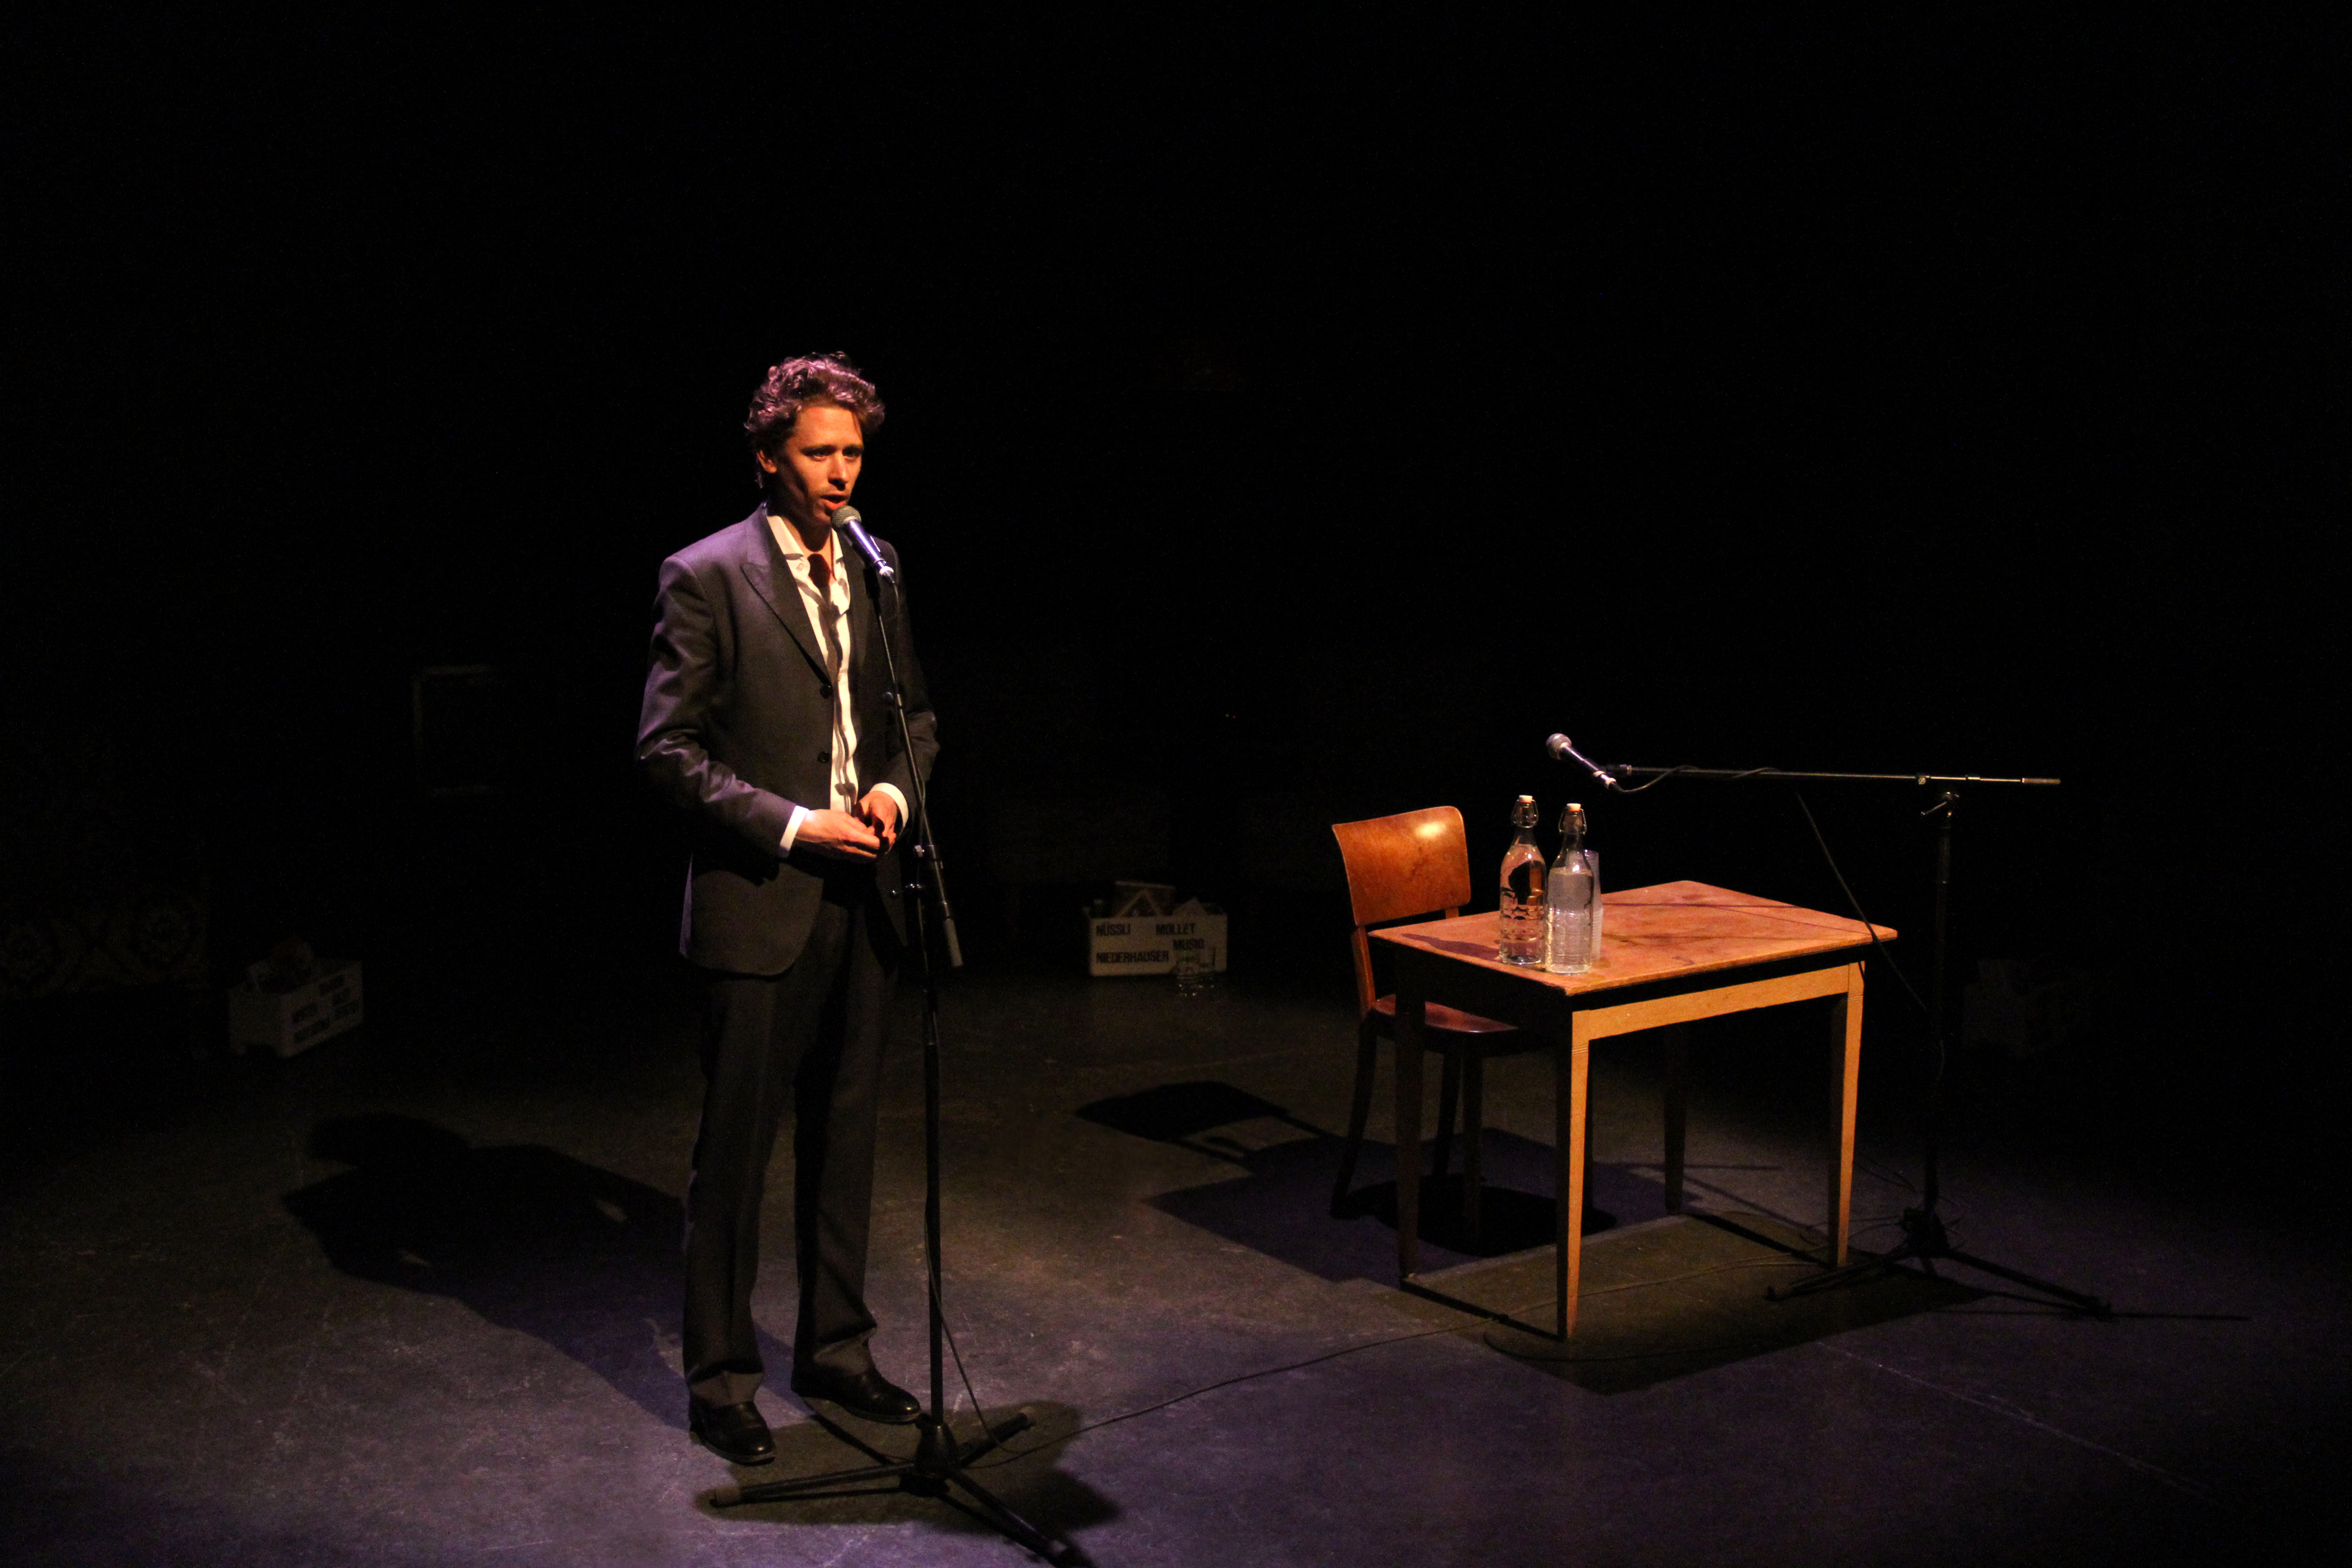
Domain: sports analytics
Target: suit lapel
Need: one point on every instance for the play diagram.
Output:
(867, 679)
(762, 563)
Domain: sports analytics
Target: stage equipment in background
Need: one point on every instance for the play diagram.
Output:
(1924, 1240)
(940, 1460)
(292, 1000)
(1142, 930)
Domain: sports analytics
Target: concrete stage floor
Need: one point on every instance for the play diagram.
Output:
(412, 1298)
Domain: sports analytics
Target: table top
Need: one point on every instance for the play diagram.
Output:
(1665, 933)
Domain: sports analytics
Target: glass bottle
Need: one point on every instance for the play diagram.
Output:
(1520, 930)
(1573, 907)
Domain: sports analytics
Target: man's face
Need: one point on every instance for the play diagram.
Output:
(819, 465)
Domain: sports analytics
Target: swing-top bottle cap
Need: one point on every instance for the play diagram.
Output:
(1523, 812)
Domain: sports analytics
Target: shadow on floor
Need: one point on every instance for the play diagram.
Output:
(530, 1239)
(1185, 1113)
(1683, 1296)
(1667, 1297)
(1280, 1201)
(1281, 1205)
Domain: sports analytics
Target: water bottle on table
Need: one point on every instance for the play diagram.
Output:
(1520, 930)
(1573, 899)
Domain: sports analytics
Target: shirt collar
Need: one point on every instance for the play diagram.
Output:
(788, 540)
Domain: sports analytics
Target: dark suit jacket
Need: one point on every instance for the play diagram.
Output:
(737, 728)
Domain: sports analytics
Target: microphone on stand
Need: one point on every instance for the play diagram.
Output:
(1563, 750)
(853, 528)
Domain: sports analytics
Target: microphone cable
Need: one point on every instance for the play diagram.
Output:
(1852, 902)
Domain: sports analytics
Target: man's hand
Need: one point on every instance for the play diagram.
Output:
(881, 812)
(839, 835)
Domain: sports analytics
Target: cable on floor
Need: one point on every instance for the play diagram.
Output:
(1502, 1315)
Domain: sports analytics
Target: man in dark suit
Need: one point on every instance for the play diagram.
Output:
(767, 718)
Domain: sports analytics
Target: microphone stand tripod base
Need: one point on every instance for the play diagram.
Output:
(1924, 1242)
(939, 1462)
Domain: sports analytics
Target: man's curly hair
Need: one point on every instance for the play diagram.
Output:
(797, 383)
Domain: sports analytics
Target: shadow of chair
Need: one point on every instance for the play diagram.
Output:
(1410, 867)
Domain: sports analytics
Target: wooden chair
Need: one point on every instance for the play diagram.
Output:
(1416, 866)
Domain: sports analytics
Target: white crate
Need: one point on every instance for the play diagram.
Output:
(287, 1022)
(1147, 944)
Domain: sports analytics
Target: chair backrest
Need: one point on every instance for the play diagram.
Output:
(1415, 863)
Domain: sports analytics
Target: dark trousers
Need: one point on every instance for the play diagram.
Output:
(812, 1035)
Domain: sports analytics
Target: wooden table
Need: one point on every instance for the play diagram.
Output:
(1670, 954)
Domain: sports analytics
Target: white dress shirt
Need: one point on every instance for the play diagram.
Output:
(828, 614)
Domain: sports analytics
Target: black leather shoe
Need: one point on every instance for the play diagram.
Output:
(736, 1433)
(867, 1393)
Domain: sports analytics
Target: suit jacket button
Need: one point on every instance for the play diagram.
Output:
(827, 690)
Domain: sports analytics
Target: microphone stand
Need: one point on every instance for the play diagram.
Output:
(1924, 1240)
(940, 1460)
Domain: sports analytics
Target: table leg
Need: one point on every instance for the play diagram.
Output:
(1567, 1232)
(1676, 1037)
(1411, 1009)
(1845, 1081)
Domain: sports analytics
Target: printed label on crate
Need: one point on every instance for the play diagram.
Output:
(1141, 945)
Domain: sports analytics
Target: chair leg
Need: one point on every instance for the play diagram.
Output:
(1411, 1054)
(1368, 1058)
(1449, 1097)
(1474, 1122)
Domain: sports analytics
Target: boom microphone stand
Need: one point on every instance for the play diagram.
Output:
(940, 1461)
(1925, 1239)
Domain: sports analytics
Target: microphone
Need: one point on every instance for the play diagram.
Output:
(853, 528)
(1564, 750)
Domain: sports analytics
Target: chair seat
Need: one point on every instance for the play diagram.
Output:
(1439, 1020)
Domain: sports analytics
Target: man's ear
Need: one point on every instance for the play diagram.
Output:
(766, 461)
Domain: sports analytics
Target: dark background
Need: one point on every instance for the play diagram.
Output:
(1289, 421)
